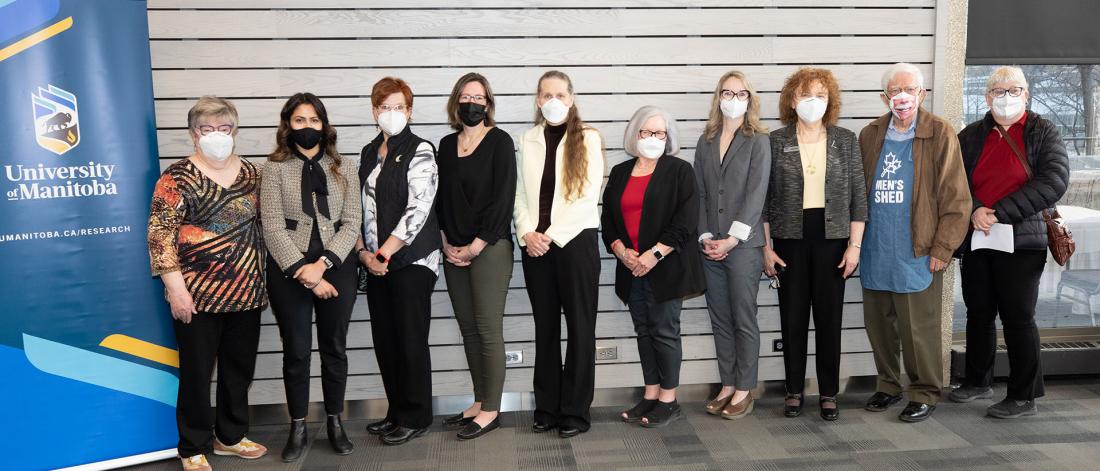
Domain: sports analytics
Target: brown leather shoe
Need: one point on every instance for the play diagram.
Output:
(736, 411)
(715, 406)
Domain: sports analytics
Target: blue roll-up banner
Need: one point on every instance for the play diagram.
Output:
(87, 356)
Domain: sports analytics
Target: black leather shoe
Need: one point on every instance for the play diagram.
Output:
(916, 412)
(881, 401)
(829, 413)
(336, 436)
(296, 442)
(381, 427)
(457, 420)
(540, 427)
(792, 411)
(568, 432)
(473, 430)
(401, 435)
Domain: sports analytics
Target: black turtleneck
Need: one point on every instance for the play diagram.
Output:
(553, 136)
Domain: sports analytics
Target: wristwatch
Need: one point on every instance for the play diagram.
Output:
(381, 258)
(657, 254)
(328, 263)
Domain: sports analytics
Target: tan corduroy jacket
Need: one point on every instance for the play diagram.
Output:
(941, 204)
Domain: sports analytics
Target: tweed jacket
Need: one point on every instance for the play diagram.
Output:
(287, 228)
(845, 186)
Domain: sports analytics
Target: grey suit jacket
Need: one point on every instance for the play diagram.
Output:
(845, 187)
(287, 227)
(734, 188)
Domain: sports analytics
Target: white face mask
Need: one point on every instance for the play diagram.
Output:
(903, 105)
(216, 146)
(811, 110)
(392, 122)
(733, 108)
(1008, 106)
(554, 111)
(651, 147)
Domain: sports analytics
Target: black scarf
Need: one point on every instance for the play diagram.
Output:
(313, 181)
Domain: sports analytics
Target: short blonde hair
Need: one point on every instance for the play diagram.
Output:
(210, 106)
(1004, 74)
(630, 138)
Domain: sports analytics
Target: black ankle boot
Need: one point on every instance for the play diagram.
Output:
(337, 438)
(296, 442)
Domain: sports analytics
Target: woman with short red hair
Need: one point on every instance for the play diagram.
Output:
(400, 249)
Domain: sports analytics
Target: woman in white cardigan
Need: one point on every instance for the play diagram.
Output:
(561, 168)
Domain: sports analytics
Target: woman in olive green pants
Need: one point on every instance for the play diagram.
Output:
(477, 184)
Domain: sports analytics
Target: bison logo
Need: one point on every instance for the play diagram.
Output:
(56, 123)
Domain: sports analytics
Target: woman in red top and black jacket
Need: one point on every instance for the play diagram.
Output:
(650, 220)
(1006, 191)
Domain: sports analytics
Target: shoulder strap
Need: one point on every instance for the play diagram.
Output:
(1015, 150)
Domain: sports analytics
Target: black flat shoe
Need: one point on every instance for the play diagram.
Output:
(337, 437)
(382, 427)
(916, 412)
(792, 411)
(296, 442)
(540, 427)
(457, 420)
(881, 401)
(401, 435)
(473, 430)
(829, 413)
(662, 414)
(634, 414)
(568, 432)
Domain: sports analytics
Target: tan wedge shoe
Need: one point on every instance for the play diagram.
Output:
(736, 411)
(715, 406)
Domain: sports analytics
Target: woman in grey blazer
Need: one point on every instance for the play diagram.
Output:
(816, 208)
(732, 164)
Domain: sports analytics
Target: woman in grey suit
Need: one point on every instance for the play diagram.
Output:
(732, 164)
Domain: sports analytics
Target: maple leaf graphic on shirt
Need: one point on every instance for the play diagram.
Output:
(890, 164)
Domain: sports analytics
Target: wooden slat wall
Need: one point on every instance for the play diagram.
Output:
(621, 55)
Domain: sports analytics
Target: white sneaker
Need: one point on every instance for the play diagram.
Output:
(246, 449)
(195, 463)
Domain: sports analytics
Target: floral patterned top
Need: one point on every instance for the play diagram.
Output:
(211, 234)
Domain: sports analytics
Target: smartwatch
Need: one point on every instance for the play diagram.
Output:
(657, 254)
(381, 258)
(328, 263)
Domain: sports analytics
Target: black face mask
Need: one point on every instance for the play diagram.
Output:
(471, 113)
(306, 138)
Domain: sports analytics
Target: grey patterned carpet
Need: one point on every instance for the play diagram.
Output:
(1064, 436)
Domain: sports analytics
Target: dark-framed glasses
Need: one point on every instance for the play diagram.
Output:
(742, 95)
(1011, 91)
(645, 133)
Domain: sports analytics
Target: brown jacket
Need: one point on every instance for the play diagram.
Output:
(941, 204)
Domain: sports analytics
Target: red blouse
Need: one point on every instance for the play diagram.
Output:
(999, 172)
(631, 204)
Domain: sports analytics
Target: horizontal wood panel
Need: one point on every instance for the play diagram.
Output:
(519, 109)
(239, 83)
(538, 52)
(450, 383)
(453, 357)
(447, 23)
(415, 4)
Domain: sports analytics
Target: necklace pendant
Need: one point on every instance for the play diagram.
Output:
(810, 169)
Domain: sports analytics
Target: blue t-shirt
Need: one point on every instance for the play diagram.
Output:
(886, 260)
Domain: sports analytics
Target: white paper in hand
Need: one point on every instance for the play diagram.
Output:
(999, 238)
(740, 231)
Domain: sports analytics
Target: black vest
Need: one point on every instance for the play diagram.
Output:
(391, 193)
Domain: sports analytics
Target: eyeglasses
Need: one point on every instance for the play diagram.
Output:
(645, 133)
(774, 283)
(741, 95)
(207, 129)
(398, 108)
(1000, 92)
(472, 98)
(893, 92)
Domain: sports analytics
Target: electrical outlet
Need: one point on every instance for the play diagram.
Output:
(777, 345)
(607, 353)
(513, 357)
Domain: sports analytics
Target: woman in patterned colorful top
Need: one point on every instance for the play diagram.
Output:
(400, 249)
(205, 244)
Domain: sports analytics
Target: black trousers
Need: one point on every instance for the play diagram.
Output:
(657, 325)
(400, 314)
(994, 283)
(230, 340)
(294, 307)
(811, 280)
(565, 279)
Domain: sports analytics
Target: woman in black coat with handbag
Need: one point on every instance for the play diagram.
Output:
(1017, 167)
(650, 220)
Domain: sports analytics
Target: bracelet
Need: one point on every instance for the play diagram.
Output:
(852, 244)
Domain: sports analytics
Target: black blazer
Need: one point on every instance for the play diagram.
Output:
(670, 215)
